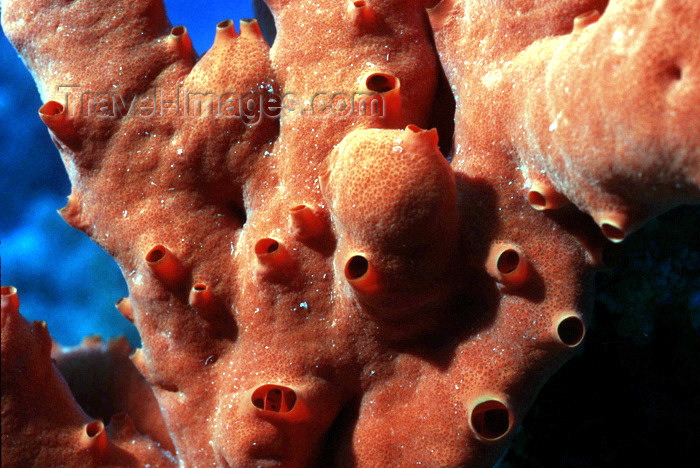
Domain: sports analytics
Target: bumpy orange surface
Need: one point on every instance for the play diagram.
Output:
(316, 284)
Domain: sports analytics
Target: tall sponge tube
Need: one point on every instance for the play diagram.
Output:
(393, 195)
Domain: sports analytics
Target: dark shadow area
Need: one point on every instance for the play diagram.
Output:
(631, 399)
(96, 375)
(265, 20)
(435, 331)
(337, 441)
(442, 115)
(467, 315)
